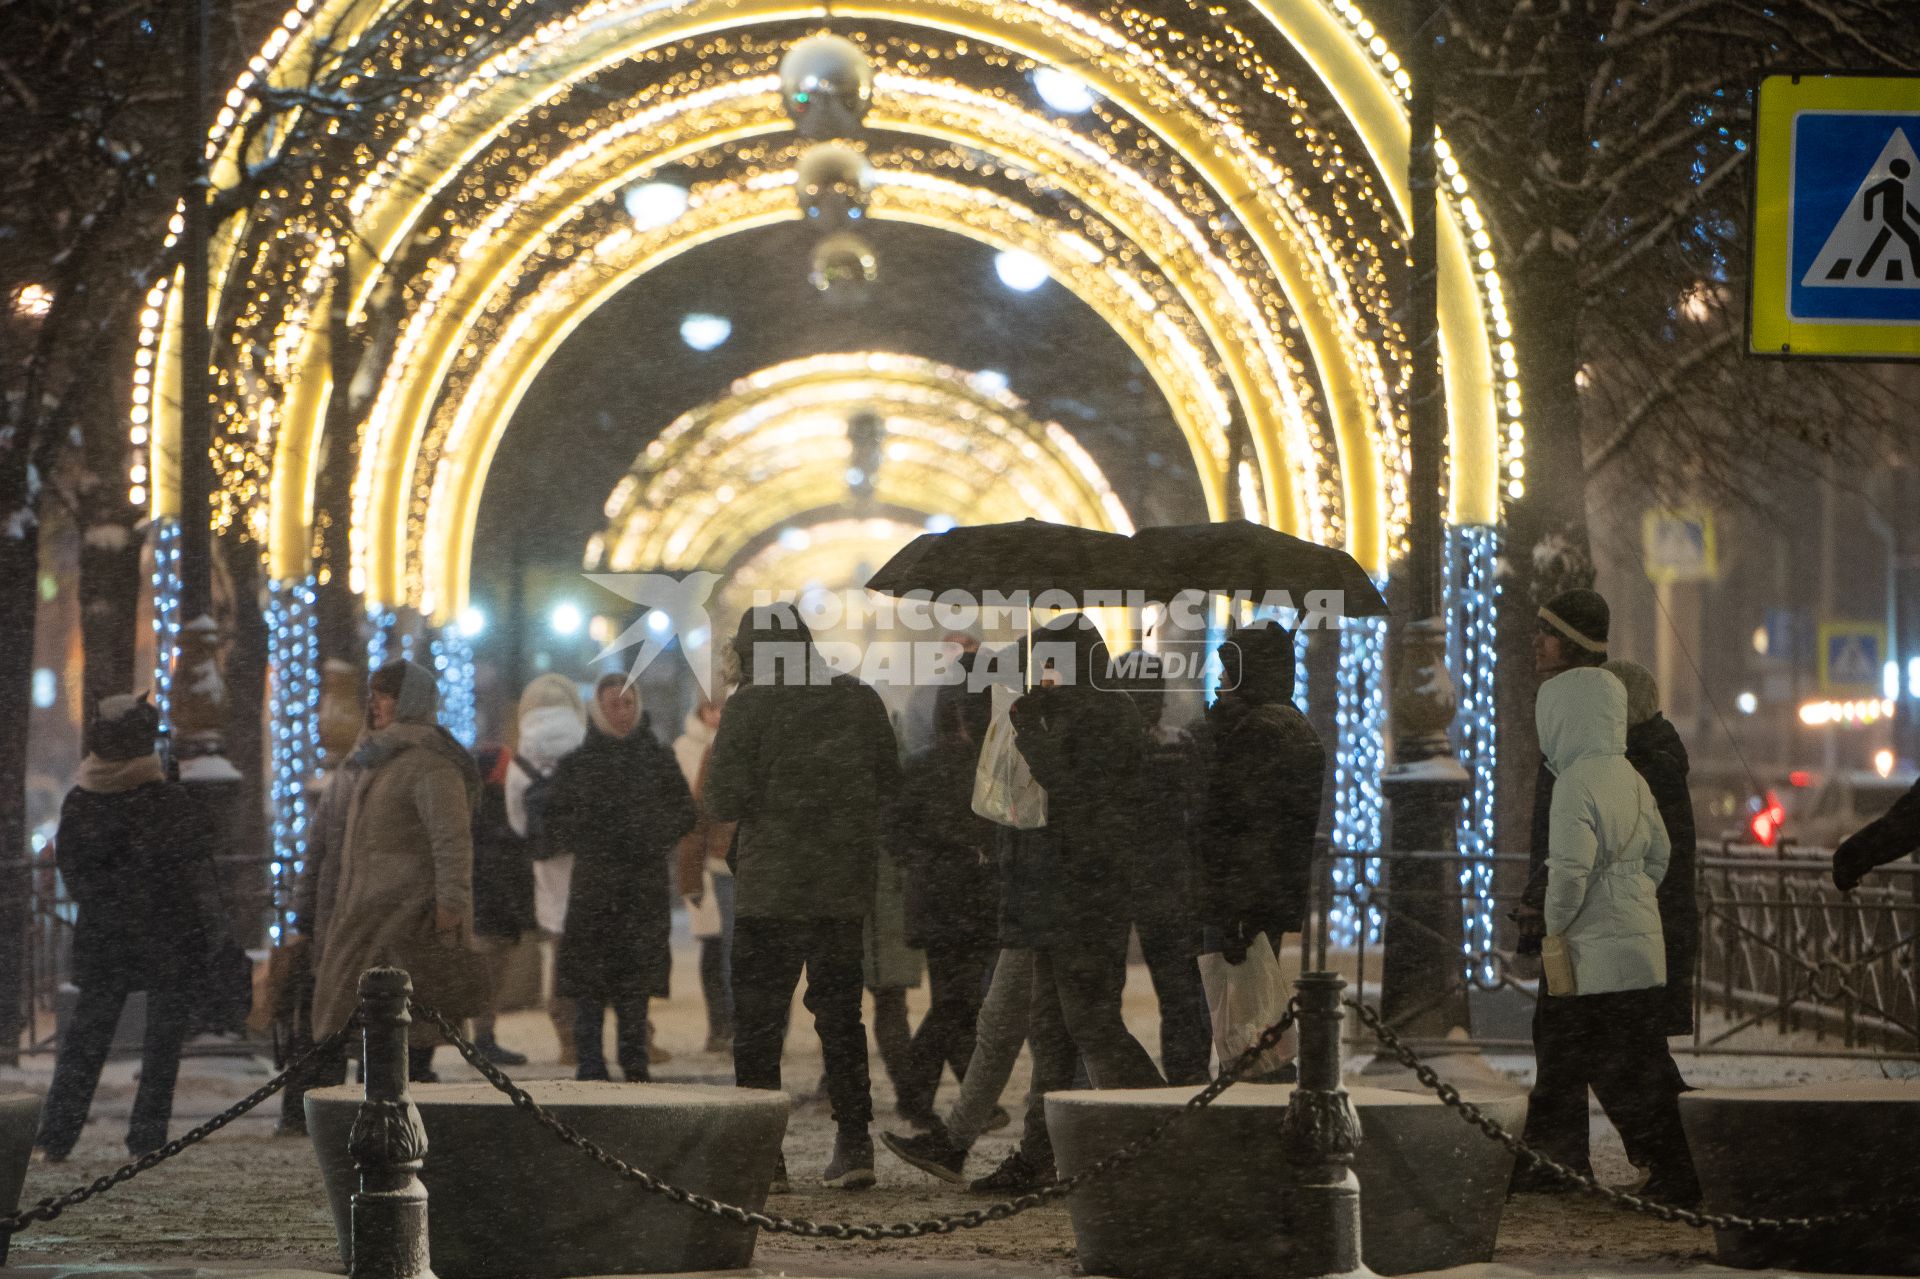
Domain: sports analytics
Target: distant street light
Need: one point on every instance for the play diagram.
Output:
(652, 205)
(992, 381)
(704, 332)
(1747, 703)
(1063, 91)
(472, 621)
(1020, 271)
(566, 619)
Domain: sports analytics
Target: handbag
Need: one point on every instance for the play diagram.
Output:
(703, 913)
(272, 983)
(1556, 965)
(1003, 787)
(1244, 999)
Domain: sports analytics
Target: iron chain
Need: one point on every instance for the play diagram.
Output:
(850, 1231)
(53, 1205)
(1586, 1182)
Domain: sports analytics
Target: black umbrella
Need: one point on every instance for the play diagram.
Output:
(1023, 557)
(1241, 557)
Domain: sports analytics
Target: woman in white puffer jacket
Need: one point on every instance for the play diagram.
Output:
(1607, 853)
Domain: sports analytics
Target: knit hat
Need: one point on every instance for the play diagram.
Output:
(123, 728)
(1643, 692)
(1581, 616)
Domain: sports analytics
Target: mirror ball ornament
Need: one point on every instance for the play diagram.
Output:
(834, 182)
(827, 85)
(844, 266)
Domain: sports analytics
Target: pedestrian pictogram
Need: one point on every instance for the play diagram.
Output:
(1836, 224)
(1876, 243)
(1851, 658)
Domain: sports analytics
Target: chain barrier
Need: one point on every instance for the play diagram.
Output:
(849, 1231)
(53, 1205)
(1586, 1182)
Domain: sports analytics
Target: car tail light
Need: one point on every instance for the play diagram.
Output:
(1800, 779)
(1766, 823)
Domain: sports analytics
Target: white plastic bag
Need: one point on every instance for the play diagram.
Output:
(1245, 999)
(1003, 787)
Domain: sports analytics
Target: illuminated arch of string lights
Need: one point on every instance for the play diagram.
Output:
(601, 34)
(952, 441)
(507, 88)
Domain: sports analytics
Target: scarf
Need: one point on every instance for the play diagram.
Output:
(112, 776)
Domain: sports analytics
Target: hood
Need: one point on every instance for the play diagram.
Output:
(551, 690)
(1259, 666)
(1071, 644)
(1581, 714)
(379, 745)
(1643, 692)
(548, 733)
(1657, 738)
(414, 689)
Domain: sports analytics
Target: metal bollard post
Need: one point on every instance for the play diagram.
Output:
(1323, 1135)
(388, 1141)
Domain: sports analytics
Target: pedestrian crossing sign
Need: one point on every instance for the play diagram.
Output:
(1836, 217)
(1851, 658)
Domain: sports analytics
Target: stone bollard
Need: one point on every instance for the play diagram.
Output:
(1322, 1139)
(388, 1141)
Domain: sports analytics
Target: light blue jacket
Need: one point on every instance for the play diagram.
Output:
(1607, 849)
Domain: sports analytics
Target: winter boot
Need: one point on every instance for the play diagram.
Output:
(933, 1153)
(491, 1049)
(851, 1167)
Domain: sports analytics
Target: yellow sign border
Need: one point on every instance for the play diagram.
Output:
(1771, 330)
(1877, 631)
(1709, 543)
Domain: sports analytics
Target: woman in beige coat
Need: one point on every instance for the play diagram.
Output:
(400, 883)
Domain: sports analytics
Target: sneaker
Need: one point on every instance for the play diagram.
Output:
(1016, 1175)
(851, 1167)
(931, 1152)
(997, 1120)
(780, 1185)
(499, 1056)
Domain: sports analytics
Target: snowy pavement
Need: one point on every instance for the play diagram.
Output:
(246, 1202)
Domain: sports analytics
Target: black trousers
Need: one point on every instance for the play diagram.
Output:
(630, 1037)
(1076, 1016)
(768, 958)
(1186, 1026)
(957, 979)
(84, 1044)
(1612, 1044)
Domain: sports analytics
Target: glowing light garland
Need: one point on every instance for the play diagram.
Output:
(293, 711)
(1360, 716)
(452, 655)
(1473, 609)
(166, 615)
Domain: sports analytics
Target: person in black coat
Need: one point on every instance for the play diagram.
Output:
(953, 891)
(1255, 849)
(502, 891)
(1888, 838)
(618, 804)
(1083, 744)
(135, 852)
(1163, 891)
(1656, 752)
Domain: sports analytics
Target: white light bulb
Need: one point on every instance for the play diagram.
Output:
(704, 332)
(566, 619)
(472, 621)
(1063, 91)
(1019, 270)
(652, 205)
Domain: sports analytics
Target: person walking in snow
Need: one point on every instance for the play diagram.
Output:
(618, 806)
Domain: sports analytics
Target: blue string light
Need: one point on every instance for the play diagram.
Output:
(166, 615)
(293, 645)
(1473, 614)
(453, 669)
(1360, 717)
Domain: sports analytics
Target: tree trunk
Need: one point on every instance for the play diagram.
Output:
(246, 679)
(19, 607)
(110, 589)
